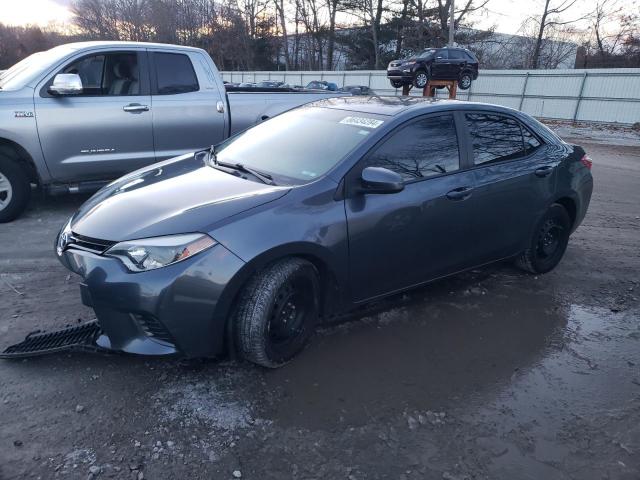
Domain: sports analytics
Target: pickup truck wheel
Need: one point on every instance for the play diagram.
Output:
(277, 312)
(548, 243)
(464, 83)
(15, 190)
(420, 79)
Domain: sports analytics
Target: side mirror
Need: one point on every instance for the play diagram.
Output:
(381, 180)
(66, 84)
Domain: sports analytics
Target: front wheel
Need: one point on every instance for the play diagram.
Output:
(548, 243)
(420, 79)
(15, 189)
(464, 83)
(396, 83)
(277, 312)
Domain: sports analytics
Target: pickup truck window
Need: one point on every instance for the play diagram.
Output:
(301, 145)
(174, 74)
(107, 74)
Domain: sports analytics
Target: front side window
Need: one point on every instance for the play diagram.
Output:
(107, 74)
(442, 54)
(422, 149)
(301, 145)
(495, 137)
(175, 74)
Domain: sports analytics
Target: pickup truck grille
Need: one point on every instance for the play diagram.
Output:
(88, 244)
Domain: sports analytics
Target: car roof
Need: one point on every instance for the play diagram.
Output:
(126, 44)
(394, 105)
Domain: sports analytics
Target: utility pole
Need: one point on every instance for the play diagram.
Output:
(451, 23)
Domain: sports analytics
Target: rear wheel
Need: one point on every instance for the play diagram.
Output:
(15, 189)
(464, 83)
(277, 312)
(420, 79)
(548, 243)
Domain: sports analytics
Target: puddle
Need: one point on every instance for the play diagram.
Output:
(432, 352)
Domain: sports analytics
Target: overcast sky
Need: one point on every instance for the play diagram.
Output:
(506, 15)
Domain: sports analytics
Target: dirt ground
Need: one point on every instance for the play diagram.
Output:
(493, 374)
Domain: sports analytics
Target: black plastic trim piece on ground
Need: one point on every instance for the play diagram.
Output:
(78, 338)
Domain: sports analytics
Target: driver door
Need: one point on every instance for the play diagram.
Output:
(106, 130)
(421, 233)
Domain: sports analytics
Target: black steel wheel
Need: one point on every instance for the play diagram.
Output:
(548, 243)
(420, 79)
(277, 312)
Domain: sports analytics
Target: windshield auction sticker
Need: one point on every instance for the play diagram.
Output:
(362, 122)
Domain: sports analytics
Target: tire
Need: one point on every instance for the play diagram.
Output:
(421, 78)
(548, 243)
(464, 82)
(15, 189)
(396, 83)
(277, 312)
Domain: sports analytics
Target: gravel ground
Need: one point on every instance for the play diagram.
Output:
(492, 374)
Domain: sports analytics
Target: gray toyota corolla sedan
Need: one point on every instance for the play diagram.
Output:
(249, 245)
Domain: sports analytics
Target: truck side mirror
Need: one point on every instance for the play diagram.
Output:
(66, 84)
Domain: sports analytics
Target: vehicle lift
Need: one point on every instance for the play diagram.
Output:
(429, 89)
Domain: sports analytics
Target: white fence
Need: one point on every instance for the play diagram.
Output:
(593, 95)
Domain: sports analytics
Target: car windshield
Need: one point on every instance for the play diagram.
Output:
(25, 70)
(301, 145)
(427, 53)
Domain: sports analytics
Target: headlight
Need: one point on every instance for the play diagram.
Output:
(151, 253)
(408, 64)
(63, 238)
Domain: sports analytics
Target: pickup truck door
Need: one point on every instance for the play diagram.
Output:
(189, 110)
(106, 130)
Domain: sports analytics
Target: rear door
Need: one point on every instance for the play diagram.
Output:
(458, 61)
(514, 183)
(188, 108)
(423, 232)
(106, 130)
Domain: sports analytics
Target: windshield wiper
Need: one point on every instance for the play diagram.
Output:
(262, 176)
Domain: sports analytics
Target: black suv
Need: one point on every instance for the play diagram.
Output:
(438, 63)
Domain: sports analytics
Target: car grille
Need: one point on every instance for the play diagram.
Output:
(152, 327)
(88, 244)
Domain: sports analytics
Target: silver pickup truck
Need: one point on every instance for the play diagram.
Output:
(79, 115)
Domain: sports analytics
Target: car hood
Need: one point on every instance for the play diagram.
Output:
(181, 195)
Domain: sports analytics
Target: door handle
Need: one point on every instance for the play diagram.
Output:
(135, 107)
(544, 171)
(461, 193)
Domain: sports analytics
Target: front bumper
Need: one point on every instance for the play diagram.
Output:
(179, 309)
(405, 75)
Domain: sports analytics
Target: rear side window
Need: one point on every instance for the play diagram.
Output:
(495, 137)
(175, 74)
(531, 142)
(422, 149)
(456, 54)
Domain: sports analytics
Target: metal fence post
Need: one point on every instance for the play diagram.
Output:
(369, 84)
(524, 90)
(584, 80)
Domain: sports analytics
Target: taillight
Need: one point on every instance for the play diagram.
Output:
(586, 161)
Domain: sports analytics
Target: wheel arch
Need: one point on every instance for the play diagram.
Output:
(570, 205)
(20, 155)
(332, 286)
